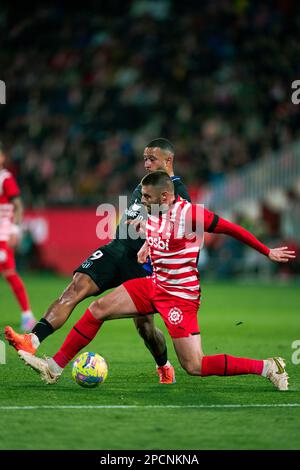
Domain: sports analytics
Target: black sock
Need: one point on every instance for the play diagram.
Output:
(162, 359)
(42, 329)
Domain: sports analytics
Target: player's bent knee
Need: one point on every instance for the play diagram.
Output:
(70, 296)
(100, 309)
(83, 285)
(80, 288)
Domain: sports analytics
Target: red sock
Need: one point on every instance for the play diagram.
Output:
(80, 336)
(19, 290)
(223, 364)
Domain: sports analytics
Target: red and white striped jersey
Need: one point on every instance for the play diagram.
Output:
(174, 240)
(8, 190)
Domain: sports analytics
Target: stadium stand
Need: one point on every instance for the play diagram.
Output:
(88, 88)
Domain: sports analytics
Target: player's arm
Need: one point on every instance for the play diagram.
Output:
(214, 223)
(18, 210)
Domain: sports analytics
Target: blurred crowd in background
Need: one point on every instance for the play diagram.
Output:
(88, 86)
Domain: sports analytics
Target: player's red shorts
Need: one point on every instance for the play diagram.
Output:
(7, 258)
(179, 315)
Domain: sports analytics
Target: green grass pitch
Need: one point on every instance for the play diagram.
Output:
(134, 411)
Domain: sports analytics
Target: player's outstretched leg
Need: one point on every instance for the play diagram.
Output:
(194, 362)
(81, 287)
(224, 364)
(116, 304)
(155, 341)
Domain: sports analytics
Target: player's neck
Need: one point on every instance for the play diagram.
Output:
(170, 171)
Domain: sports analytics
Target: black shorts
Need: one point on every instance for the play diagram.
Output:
(111, 265)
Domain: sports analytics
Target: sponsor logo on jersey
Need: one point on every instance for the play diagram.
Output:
(131, 213)
(175, 316)
(158, 243)
(135, 206)
(134, 211)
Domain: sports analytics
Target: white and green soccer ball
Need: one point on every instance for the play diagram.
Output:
(89, 370)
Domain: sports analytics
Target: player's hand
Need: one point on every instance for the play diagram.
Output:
(143, 254)
(281, 255)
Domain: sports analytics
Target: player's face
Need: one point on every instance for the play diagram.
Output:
(150, 196)
(154, 159)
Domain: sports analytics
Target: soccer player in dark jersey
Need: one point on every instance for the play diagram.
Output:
(174, 236)
(108, 267)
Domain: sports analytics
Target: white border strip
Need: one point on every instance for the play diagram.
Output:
(139, 407)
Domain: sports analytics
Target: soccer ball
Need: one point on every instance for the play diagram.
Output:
(89, 369)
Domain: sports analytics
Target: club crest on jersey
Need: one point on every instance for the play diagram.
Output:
(175, 316)
(158, 243)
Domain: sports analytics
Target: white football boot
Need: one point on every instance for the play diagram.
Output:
(276, 373)
(44, 367)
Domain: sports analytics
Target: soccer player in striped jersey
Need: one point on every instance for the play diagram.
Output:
(173, 239)
(10, 219)
(108, 267)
